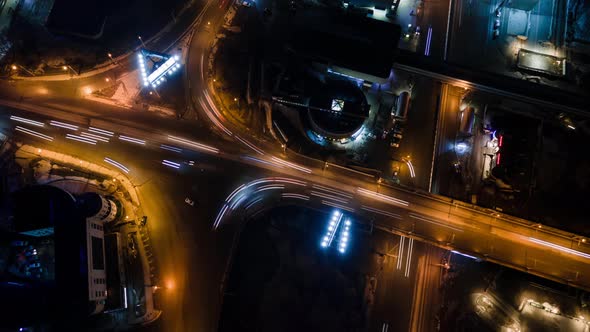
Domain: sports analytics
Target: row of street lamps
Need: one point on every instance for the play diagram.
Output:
(15, 67)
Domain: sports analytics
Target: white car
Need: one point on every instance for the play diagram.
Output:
(189, 201)
(247, 3)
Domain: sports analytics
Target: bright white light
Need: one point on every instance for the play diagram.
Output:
(331, 228)
(347, 223)
(461, 147)
(324, 244)
(342, 250)
(161, 70)
(337, 105)
(332, 223)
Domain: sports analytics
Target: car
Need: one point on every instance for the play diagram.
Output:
(394, 144)
(189, 201)
(397, 135)
(495, 34)
(34, 265)
(498, 12)
(143, 220)
(247, 3)
(19, 243)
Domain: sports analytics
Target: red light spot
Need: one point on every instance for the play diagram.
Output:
(498, 159)
(501, 139)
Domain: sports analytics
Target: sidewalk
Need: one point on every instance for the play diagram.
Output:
(140, 290)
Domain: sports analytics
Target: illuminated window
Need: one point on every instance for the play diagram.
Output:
(337, 105)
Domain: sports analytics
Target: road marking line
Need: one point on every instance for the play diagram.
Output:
(330, 197)
(171, 148)
(338, 206)
(412, 215)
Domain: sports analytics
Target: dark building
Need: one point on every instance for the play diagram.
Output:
(52, 261)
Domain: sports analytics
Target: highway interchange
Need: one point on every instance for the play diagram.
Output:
(232, 174)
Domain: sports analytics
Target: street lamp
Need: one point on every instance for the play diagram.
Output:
(15, 67)
(111, 57)
(66, 67)
(141, 40)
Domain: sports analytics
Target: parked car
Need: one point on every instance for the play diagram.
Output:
(189, 201)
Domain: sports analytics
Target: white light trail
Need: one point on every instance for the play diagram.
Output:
(411, 167)
(196, 145)
(400, 252)
(558, 247)
(242, 190)
(95, 137)
(63, 125)
(428, 40)
(34, 133)
(385, 213)
(291, 165)
(257, 160)
(220, 216)
(333, 191)
(217, 118)
(81, 139)
(132, 140)
(269, 187)
(252, 203)
(338, 206)
(464, 255)
(250, 145)
(330, 197)
(431, 221)
(409, 258)
(381, 197)
(27, 121)
(213, 118)
(101, 131)
(295, 196)
(171, 148)
(170, 164)
(116, 164)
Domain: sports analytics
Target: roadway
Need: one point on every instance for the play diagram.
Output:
(499, 238)
(408, 282)
(196, 257)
